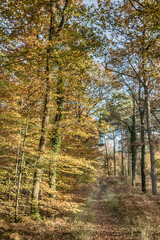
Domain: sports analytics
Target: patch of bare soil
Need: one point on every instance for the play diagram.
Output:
(108, 224)
(123, 212)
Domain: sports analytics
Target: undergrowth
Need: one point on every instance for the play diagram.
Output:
(82, 222)
(111, 202)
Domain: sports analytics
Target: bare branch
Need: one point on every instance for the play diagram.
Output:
(63, 16)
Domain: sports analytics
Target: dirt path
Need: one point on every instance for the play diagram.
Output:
(108, 224)
(108, 210)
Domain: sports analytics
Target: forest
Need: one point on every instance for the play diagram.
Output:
(80, 120)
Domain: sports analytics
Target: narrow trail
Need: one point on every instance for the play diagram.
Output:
(108, 225)
(109, 210)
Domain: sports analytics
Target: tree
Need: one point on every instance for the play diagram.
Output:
(128, 51)
(52, 71)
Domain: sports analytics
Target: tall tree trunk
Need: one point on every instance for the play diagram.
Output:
(150, 139)
(122, 162)
(126, 165)
(142, 132)
(142, 137)
(106, 163)
(18, 156)
(52, 33)
(56, 136)
(45, 120)
(114, 154)
(42, 145)
(148, 110)
(35, 192)
(129, 161)
(133, 145)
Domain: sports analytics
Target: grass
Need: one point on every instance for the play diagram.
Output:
(83, 221)
(111, 201)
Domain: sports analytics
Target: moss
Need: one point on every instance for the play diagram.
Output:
(35, 212)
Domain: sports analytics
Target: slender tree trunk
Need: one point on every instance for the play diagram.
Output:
(106, 160)
(114, 154)
(148, 112)
(56, 137)
(18, 156)
(133, 145)
(129, 161)
(21, 164)
(9, 184)
(45, 119)
(142, 132)
(126, 165)
(142, 137)
(42, 145)
(122, 163)
(150, 139)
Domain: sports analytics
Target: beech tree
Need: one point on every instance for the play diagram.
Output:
(47, 66)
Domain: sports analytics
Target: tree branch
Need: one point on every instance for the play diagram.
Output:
(61, 24)
(155, 117)
(124, 74)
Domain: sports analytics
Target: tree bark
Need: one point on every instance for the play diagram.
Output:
(114, 154)
(133, 145)
(106, 164)
(150, 139)
(129, 161)
(45, 121)
(142, 137)
(142, 133)
(18, 156)
(35, 192)
(42, 145)
(56, 137)
(122, 163)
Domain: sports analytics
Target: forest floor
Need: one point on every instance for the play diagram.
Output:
(109, 209)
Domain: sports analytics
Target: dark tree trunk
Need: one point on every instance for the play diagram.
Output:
(148, 111)
(56, 137)
(142, 132)
(142, 137)
(129, 161)
(106, 163)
